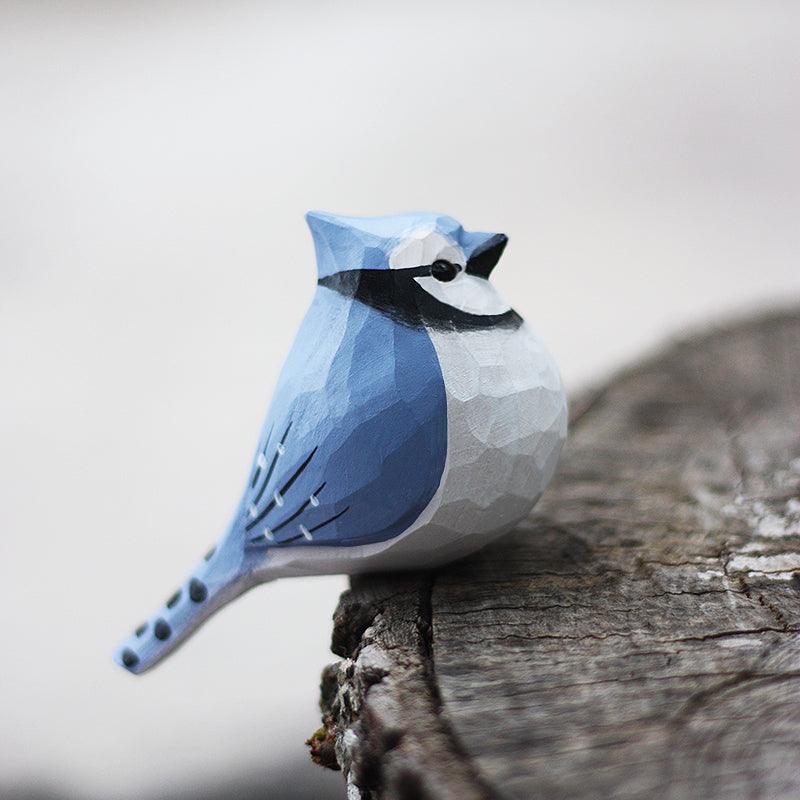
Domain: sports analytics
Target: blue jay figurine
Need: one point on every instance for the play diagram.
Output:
(416, 419)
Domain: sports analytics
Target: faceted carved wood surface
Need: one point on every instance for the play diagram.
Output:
(636, 638)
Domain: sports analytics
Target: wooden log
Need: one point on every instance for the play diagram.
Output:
(636, 638)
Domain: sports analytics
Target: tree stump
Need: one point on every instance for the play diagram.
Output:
(637, 637)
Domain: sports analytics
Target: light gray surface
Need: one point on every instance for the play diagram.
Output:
(155, 162)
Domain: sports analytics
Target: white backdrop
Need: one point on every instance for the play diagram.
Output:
(155, 163)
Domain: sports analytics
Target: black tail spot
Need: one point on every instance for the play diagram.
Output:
(141, 629)
(173, 601)
(197, 590)
(129, 658)
(210, 554)
(162, 630)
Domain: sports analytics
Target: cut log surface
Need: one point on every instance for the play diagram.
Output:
(637, 637)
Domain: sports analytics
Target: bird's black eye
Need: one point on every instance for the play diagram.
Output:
(444, 270)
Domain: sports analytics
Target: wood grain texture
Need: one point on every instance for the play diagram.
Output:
(636, 638)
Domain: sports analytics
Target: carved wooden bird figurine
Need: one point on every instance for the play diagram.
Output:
(416, 419)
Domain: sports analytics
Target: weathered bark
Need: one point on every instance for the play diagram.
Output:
(636, 638)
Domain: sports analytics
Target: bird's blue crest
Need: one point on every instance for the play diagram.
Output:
(345, 243)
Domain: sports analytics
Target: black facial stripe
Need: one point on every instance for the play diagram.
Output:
(395, 293)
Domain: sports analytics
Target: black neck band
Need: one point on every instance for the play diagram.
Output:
(394, 292)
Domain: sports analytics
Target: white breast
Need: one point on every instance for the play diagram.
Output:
(506, 424)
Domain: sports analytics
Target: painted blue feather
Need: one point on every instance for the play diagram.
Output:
(355, 440)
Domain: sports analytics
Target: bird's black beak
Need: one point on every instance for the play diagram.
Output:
(484, 257)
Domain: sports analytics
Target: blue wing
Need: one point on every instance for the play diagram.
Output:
(355, 440)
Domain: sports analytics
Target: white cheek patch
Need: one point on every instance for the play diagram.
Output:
(424, 246)
(466, 293)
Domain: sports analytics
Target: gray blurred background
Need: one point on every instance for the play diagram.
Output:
(156, 162)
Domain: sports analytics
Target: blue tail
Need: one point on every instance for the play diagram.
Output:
(210, 586)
